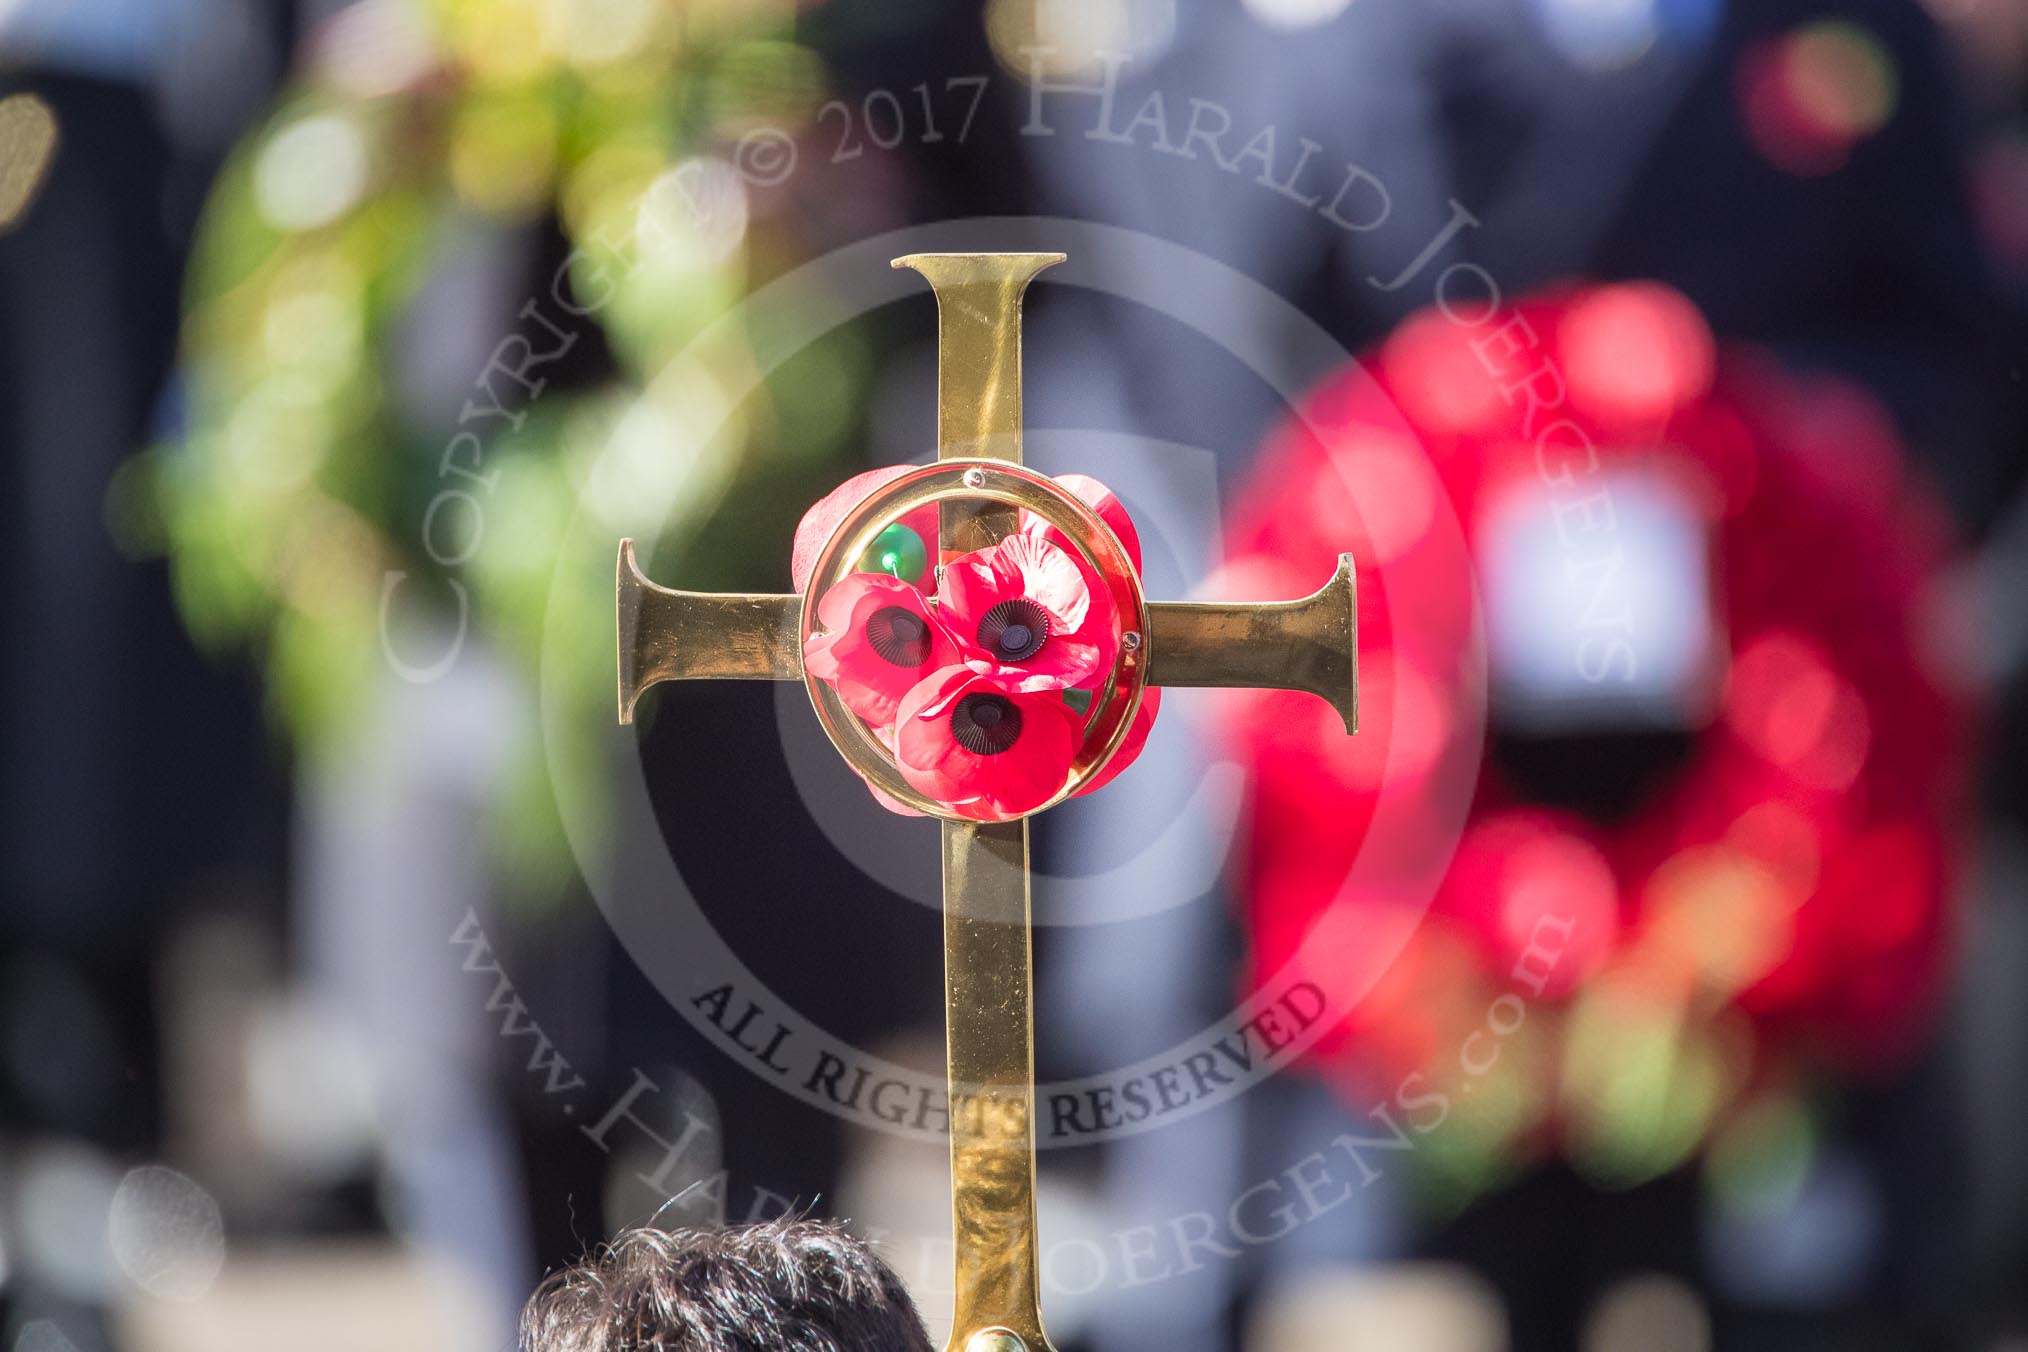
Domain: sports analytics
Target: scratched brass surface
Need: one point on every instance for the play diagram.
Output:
(989, 1001)
(1311, 644)
(668, 635)
(988, 1007)
(979, 349)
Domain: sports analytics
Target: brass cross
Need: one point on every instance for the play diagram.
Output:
(1307, 645)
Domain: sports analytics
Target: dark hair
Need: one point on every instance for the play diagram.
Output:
(784, 1286)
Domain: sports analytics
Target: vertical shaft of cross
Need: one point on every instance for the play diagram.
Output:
(979, 348)
(978, 371)
(989, 1013)
(989, 1002)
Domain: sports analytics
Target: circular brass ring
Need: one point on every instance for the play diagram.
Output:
(1010, 485)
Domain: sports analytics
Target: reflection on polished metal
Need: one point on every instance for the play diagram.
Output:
(994, 1340)
(670, 635)
(990, 1040)
(989, 963)
(1311, 644)
(980, 490)
(979, 348)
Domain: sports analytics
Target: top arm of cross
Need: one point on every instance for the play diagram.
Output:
(1308, 644)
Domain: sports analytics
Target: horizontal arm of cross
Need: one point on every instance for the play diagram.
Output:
(1310, 644)
(668, 635)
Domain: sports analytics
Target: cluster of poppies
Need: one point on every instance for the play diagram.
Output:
(978, 676)
(1774, 904)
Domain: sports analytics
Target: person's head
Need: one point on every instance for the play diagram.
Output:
(785, 1286)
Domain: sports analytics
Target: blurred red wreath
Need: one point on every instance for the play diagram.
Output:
(1779, 900)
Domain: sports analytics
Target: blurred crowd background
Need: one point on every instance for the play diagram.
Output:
(339, 342)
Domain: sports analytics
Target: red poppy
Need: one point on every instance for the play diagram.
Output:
(978, 743)
(1023, 609)
(879, 638)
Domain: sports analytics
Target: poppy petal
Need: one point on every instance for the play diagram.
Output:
(843, 655)
(1101, 500)
(821, 520)
(1130, 749)
(991, 786)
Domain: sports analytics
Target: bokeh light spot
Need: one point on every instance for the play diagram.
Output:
(694, 215)
(1722, 913)
(1652, 1313)
(598, 32)
(1559, 910)
(503, 153)
(311, 172)
(28, 141)
(1636, 352)
(1809, 97)
(1435, 376)
(1796, 713)
(1060, 38)
(373, 48)
(1385, 483)
(1296, 13)
(1601, 34)
(167, 1233)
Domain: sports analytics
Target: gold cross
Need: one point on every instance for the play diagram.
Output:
(1308, 645)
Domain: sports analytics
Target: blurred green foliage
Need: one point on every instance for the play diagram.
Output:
(320, 515)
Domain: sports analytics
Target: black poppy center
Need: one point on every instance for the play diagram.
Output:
(899, 635)
(986, 725)
(1014, 629)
